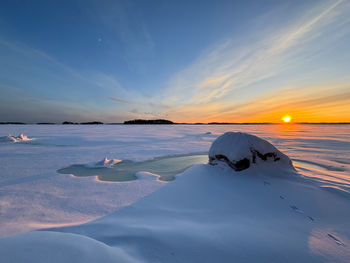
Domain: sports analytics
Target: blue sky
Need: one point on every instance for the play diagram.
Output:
(188, 61)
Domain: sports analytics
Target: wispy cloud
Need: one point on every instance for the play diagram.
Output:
(34, 78)
(228, 74)
(138, 114)
(228, 81)
(317, 103)
(125, 20)
(144, 109)
(305, 103)
(121, 100)
(20, 105)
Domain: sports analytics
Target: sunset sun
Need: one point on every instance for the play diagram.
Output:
(286, 118)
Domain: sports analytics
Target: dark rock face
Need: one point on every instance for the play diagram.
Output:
(265, 156)
(245, 162)
(235, 165)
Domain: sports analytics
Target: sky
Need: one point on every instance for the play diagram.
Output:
(187, 61)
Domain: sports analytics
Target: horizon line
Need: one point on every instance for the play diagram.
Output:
(174, 123)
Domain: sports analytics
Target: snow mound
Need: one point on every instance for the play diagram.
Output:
(53, 247)
(105, 162)
(20, 138)
(241, 150)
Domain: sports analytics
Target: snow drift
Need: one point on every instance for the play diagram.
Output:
(206, 214)
(241, 150)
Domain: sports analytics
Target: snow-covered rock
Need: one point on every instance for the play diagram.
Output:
(20, 138)
(241, 150)
(105, 162)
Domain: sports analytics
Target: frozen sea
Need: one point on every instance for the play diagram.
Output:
(33, 195)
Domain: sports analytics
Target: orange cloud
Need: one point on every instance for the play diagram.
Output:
(313, 104)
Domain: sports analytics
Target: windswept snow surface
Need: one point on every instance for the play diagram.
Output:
(207, 214)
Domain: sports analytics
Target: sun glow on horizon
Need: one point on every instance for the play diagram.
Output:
(286, 118)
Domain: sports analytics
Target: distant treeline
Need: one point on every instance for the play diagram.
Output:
(12, 122)
(51, 123)
(70, 122)
(140, 121)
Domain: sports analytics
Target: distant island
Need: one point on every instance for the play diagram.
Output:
(12, 122)
(140, 121)
(45, 123)
(69, 122)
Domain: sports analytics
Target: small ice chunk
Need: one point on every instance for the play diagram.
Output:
(11, 138)
(241, 150)
(105, 162)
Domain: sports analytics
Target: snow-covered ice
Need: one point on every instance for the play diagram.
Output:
(207, 214)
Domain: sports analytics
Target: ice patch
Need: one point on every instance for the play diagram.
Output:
(165, 168)
(11, 138)
(143, 175)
